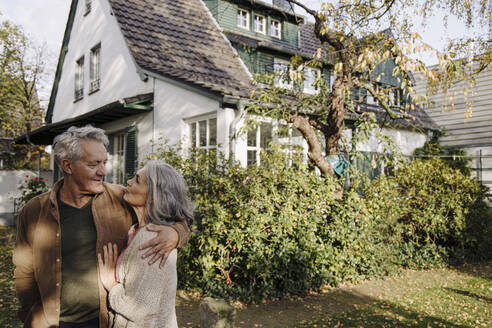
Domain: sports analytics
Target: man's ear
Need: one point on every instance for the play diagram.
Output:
(66, 166)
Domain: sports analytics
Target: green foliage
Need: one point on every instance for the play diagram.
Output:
(22, 71)
(454, 157)
(435, 213)
(276, 230)
(32, 187)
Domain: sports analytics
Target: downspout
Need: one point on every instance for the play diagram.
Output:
(233, 127)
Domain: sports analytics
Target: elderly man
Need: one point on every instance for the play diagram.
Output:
(60, 232)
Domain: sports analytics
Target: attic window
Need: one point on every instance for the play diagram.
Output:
(243, 19)
(275, 28)
(88, 6)
(79, 79)
(95, 69)
(259, 25)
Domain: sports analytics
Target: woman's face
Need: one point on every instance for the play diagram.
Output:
(136, 192)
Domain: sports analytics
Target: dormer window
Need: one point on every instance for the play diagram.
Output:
(259, 24)
(243, 19)
(275, 28)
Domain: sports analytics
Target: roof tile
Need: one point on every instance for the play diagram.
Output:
(179, 39)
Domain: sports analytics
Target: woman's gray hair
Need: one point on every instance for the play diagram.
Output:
(67, 144)
(167, 198)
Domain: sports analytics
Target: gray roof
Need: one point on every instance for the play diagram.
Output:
(179, 39)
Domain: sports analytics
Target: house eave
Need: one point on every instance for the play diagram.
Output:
(109, 112)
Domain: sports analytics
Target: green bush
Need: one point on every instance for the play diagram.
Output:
(31, 187)
(435, 213)
(276, 230)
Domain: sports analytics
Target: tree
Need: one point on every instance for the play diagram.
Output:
(22, 69)
(22, 74)
(355, 39)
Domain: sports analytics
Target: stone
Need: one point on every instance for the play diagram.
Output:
(216, 313)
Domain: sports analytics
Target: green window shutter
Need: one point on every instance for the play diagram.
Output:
(131, 153)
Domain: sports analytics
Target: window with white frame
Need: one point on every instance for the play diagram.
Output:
(123, 159)
(95, 69)
(281, 69)
(118, 158)
(260, 24)
(243, 19)
(203, 133)
(88, 6)
(310, 76)
(79, 79)
(275, 28)
(258, 139)
(290, 139)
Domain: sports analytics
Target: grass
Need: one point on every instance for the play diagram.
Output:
(8, 301)
(458, 297)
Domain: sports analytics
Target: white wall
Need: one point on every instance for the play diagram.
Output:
(118, 71)
(406, 140)
(10, 181)
(174, 106)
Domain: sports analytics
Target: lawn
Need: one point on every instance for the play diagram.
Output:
(453, 297)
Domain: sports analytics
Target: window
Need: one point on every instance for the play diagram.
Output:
(243, 19)
(258, 139)
(275, 28)
(282, 73)
(79, 79)
(95, 69)
(310, 76)
(123, 156)
(290, 139)
(119, 158)
(88, 6)
(259, 24)
(203, 133)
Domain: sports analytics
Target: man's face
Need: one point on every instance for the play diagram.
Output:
(89, 170)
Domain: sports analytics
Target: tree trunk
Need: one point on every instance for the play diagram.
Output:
(315, 152)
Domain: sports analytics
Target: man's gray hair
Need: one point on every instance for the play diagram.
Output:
(67, 144)
(167, 198)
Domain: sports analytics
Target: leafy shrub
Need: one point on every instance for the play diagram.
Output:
(259, 229)
(276, 229)
(31, 187)
(433, 212)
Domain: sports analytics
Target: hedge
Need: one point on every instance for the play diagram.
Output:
(275, 230)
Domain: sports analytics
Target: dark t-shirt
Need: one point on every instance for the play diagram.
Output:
(79, 290)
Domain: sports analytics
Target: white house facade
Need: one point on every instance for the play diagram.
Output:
(177, 70)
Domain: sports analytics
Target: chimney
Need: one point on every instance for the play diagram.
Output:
(283, 4)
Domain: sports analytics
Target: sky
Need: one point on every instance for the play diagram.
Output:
(43, 20)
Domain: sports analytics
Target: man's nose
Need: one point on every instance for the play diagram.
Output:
(101, 170)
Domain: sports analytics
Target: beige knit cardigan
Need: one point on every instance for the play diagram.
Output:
(145, 296)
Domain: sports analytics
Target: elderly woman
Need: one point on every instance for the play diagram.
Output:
(142, 295)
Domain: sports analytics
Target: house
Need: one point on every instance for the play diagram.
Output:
(464, 112)
(180, 70)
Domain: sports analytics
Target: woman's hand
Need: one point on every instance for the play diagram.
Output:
(107, 267)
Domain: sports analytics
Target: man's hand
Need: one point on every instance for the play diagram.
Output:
(107, 267)
(160, 246)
